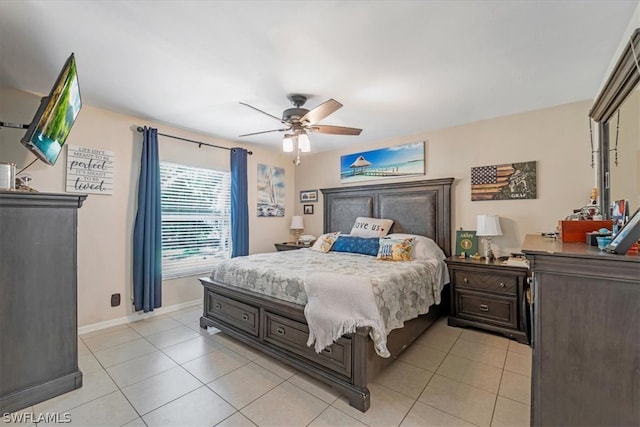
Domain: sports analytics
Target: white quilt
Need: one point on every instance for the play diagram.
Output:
(337, 305)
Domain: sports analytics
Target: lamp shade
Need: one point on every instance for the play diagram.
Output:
(287, 143)
(303, 142)
(488, 225)
(296, 223)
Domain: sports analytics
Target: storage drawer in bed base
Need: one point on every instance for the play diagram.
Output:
(292, 336)
(233, 312)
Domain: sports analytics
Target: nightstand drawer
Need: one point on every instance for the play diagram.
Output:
(490, 281)
(476, 306)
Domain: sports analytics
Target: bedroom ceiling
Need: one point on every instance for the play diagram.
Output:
(399, 67)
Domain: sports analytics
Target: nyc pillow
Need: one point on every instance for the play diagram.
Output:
(324, 242)
(371, 227)
(423, 247)
(357, 245)
(395, 249)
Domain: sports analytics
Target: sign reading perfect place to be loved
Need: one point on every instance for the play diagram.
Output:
(89, 170)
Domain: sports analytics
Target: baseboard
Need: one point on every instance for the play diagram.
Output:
(136, 316)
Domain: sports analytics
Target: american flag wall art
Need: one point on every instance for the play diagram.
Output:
(504, 182)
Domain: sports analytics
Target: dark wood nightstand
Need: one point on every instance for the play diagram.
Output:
(289, 246)
(489, 295)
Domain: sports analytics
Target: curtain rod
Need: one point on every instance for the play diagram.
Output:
(200, 144)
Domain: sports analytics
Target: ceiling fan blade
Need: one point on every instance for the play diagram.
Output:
(321, 111)
(335, 130)
(263, 112)
(265, 131)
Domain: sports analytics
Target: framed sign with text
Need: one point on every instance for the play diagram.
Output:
(89, 170)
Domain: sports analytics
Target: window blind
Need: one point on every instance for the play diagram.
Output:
(196, 219)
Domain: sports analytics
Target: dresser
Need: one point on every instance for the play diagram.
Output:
(38, 297)
(586, 335)
(488, 295)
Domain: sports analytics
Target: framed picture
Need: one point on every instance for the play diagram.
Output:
(391, 162)
(309, 196)
(510, 181)
(270, 190)
(307, 209)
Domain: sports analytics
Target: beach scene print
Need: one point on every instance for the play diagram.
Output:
(270, 190)
(391, 162)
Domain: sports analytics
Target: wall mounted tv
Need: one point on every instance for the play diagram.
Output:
(52, 122)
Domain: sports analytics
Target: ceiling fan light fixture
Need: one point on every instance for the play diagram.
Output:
(304, 144)
(287, 143)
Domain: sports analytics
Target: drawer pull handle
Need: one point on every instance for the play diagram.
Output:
(245, 316)
(502, 285)
(328, 350)
(280, 331)
(484, 307)
(217, 306)
(465, 280)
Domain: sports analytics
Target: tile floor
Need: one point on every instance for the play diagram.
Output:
(166, 370)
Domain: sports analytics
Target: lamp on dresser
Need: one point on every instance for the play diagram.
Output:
(297, 225)
(487, 227)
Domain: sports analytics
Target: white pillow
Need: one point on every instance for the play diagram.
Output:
(324, 242)
(371, 227)
(423, 247)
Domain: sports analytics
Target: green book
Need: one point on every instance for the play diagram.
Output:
(467, 242)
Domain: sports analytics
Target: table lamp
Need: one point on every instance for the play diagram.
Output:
(297, 225)
(488, 226)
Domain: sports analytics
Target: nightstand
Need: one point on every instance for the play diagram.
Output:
(489, 295)
(289, 246)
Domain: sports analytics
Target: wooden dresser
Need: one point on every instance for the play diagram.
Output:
(586, 335)
(38, 297)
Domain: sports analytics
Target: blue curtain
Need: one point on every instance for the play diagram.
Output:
(147, 236)
(239, 203)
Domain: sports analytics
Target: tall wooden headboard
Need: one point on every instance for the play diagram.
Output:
(416, 207)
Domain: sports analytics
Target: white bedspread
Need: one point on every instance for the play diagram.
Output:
(337, 305)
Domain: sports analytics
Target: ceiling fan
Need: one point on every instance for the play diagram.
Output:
(300, 120)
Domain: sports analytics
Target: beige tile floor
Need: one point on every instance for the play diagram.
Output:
(167, 371)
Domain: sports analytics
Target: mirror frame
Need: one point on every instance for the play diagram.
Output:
(621, 82)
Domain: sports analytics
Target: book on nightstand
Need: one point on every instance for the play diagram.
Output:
(517, 261)
(466, 242)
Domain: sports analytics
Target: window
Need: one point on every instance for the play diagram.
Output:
(196, 219)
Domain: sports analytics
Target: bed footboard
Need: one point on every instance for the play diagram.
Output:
(279, 329)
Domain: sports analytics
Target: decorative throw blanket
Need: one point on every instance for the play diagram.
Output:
(337, 305)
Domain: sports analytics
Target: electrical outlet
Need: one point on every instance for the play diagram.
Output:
(115, 300)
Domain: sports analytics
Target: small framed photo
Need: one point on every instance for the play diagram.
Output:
(307, 209)
(309, 196)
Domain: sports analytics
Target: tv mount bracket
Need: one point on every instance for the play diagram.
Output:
(13, 125)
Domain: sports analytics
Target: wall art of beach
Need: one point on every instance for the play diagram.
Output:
(390, 162)
(270, 190)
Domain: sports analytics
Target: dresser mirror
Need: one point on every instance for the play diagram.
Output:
(616, 112)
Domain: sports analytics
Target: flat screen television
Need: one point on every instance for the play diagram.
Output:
(52, 123)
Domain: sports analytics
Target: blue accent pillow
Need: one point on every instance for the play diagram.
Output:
(357, 245)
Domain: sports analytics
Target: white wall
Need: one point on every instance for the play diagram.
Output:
(557, 138)
(105, 223)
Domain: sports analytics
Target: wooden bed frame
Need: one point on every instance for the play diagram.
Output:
(278, 328)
